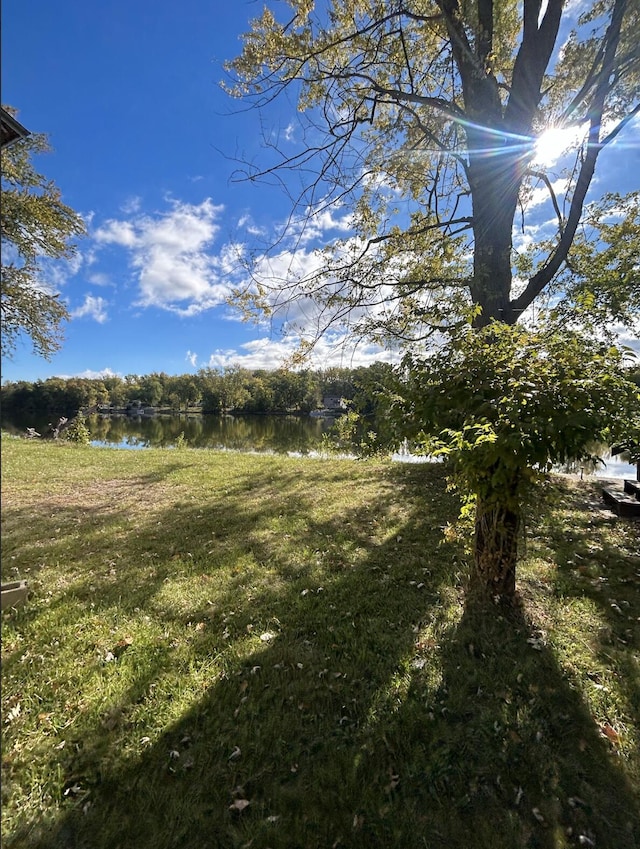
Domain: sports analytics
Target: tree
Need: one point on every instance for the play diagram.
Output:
(504, 403)
(420, 117)
(35, 223)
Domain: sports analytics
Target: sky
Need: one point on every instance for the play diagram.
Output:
(146, 144)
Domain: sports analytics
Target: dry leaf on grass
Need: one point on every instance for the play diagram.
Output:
(610, 732)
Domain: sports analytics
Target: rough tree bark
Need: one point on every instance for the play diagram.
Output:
(495, 551)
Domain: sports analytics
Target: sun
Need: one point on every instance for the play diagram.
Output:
(554, 142)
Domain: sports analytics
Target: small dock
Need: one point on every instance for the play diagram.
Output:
(624, 502)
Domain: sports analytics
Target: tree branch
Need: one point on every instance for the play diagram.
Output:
(541, 176)
(539, 280)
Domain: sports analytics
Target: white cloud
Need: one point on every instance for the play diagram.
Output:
(171, 254)
(630, 337)
(332, 350)
(74, 263)
(99, 279)
(192, 358)
(314, 224)
(117, 233)
(247, 223)
(178, 266)
(131, 205)
(95, 308)
(90, 374)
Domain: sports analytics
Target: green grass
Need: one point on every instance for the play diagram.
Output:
(207, 630)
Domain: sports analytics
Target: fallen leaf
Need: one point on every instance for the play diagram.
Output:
(14, 713)
(235, 754)
(610, 732)
(239, 805)
(73, 790)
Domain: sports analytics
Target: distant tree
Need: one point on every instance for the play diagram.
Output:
(35, 223)
(261, 390)
(291, 389)
(151, 389)
(117, 391)
(186, 388)
(233, 388)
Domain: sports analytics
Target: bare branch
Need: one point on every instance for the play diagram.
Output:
(543, 177)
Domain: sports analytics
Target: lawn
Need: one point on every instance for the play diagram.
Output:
(231, 650)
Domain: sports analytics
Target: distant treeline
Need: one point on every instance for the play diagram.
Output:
(209, 391)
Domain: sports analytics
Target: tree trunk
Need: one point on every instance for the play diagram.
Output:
(495, 184)
(495, 551)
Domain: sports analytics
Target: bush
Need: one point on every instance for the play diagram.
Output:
(77, 432)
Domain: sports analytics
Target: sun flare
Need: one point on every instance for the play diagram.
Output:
(554, 142)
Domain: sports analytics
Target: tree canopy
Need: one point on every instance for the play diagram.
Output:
(35, 223)
(420, 119)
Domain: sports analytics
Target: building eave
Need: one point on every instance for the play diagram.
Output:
(11, 130)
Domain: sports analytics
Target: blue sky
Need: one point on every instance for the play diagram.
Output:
(144, 139)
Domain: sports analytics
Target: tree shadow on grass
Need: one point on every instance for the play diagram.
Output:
(598, 561)
(367, 717)
(505, 750)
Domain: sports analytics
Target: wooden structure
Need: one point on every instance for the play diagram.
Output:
(11, 130)
(14, 593)
(627, 502)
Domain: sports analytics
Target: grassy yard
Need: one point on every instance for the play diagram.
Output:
(226, 650)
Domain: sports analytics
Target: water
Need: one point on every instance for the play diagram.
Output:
(275, 434)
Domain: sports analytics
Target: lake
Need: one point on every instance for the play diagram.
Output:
(272, 434)
(275, 434)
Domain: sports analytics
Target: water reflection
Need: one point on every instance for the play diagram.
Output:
(606, 466)
(278, 434)
(275, 434)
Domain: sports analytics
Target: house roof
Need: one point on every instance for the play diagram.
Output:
(11, 129)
